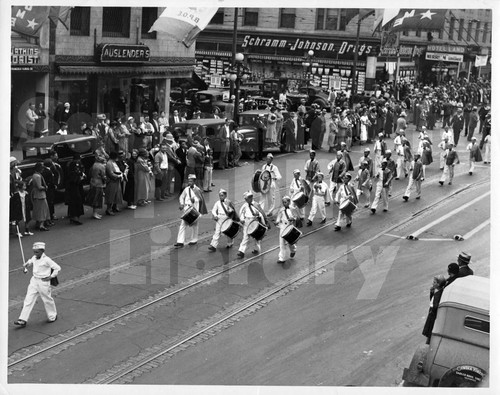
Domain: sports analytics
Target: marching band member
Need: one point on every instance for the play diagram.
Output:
(269, 199)
(415, 178)
(191, 196)
(320, 197)
(249, 212)
(366, 158)
(442, 155)
(312, 166)
(364, 183)
(337, 168)
(284, 218)
(223, 209)
(379, 149)
(299, 185)
(400, 154)
(383, 180)
(345, 191)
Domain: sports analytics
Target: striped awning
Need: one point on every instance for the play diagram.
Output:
(166, 71)
(300, 59)
(225, 54)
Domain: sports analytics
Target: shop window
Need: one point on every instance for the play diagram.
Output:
(287, 18)
(116, 22)
(218, 18)
(478, 27)
(452, 28)
(149, 16)
(79, 24)
(485, 31)
(251, 17)
(460, 29)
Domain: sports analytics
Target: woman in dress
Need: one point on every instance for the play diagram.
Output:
(74, 190)
(364, 124)
(271, 135)
(300, 131)
(333, 129)
(113, 186)
(435, 296)
(129, 193)
(41, 213)
(143, 174)
(97, 185)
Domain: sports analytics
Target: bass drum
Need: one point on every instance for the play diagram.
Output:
(230, 228)
(256, 229)
(291, 234)
(190, 215)
(256, 181)
(300, 199)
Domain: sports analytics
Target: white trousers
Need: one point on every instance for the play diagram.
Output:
(207, 178)
(442, 160)
(381, 193)
(343, 218)
(244, 241)
(417, 184)
(193, 230)
(301, 211)
(448, 171)
(472, 165)
(283, 246)
(332, 190)
(399, 166)
(218, 232)
(364, 191)
(43, 288)
(268, 200)
(318, 203)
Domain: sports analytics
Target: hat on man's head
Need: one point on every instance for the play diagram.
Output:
(381, 135)
(66, 104)
(463, 258)
(191, 177)
(367, 149)
(101, 116)
(130, 118)
(13, 159)
(270, 156)
(320, 174)
(247, 194)
(312, 151)
(286, 197)
(169, 137)
(39, 245)
(222, 191)
(403, 114)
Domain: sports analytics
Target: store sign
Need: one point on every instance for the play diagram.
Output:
(123, 53)
(444, 57)
(405, 51)
(445, 48)
(24, 55)
(299, 45)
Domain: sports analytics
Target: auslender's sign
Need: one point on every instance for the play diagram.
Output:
(113, 53)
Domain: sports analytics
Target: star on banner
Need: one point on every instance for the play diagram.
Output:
(428, 14)
(32, 23)
(400, 21)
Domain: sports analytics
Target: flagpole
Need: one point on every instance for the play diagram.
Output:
(398, 65)
(233, 55)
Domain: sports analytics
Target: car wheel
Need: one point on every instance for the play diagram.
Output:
(250, 151)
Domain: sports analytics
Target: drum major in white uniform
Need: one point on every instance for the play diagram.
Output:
(288, 234)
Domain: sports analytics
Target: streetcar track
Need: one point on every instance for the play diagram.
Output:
(206, 278)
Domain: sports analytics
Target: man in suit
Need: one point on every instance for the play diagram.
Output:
(225, 136)
(181, 153)
(156, 138)
(175, 118)
(463, 265)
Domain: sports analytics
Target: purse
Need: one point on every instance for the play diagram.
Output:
(54, 281)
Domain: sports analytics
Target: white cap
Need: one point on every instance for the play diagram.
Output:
(296, 171)
(39, 245)
(191, 177)
(222, 191)
(270, 156)
(247, 194)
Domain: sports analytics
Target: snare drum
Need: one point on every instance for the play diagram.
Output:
(291, 234)
(265, 181)
(300, 199)
(256, 229)
(230, 228)
(256, 181)
(190, 215)
(347, 207)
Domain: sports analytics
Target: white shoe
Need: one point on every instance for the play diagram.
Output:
(132, 207)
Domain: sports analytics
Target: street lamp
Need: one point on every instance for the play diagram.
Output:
(308, 64)
(237, 73)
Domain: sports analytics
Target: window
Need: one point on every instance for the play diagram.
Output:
(418, 33)
(440, 35)
(251, 17)
(469, 31)
(80, 21)
(460, 29)
(116, 22)
(477, 324)
(485, 31)
(149, 16)
(478, 27)
(452, 28)
(287, 17)
(218, 18)
(405, 32)
(333, 18)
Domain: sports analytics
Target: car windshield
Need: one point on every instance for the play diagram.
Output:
(248, 120)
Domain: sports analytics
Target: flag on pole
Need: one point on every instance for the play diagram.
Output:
(60, 14)
(481, 60)
(28, 19)
(383, 16)
(415, 19)
(184, 24)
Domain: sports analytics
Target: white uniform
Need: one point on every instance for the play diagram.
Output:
(296, 186)
(268, 202)
(249, 212)
(342, 194)
(221, 211)
(188, 199)
(377, 152)
(442, 156)
(320, 197)
(400, 156)
(283, 219)
(37, 286)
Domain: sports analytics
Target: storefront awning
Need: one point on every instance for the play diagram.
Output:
(165, 71)
(300, 59)
(226, 54)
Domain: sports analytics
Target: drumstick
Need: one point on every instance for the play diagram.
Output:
(21, 245)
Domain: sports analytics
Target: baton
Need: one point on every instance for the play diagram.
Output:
(21, 246)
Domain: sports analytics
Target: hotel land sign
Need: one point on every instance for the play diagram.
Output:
(445, 53)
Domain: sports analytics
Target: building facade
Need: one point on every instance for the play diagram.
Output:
(276, 43)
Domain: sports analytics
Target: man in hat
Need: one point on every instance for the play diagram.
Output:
(474, 154)
(44, 269)
(337, 168)
(66, 114)
(463, 265)
(31, 118)
(160, 170)
(364, 183)
(312, 166)
(383, 181)
(223, 210)
(366, 158)
(320, 197)
(249, 212)
(225, 138)
(191, 196)
(473, 121)
(449, 168)
(400, 153)
(173, 163)
(147, 133)
(345, 192)
(285, 217)
(297, 185)
(457, 124)
(268, 202)
(416, 178)
(379, 149)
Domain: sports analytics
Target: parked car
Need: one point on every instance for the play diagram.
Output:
(211, 100)
(459, 351)
(36, 150)
(249, 124)
(205, 127)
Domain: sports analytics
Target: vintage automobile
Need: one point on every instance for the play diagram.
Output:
(211, 100)
(458, 354)
(36, 150)
(249, 123)
(205, 127)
